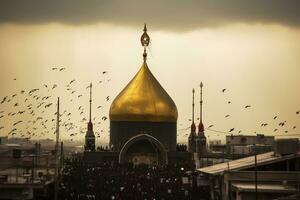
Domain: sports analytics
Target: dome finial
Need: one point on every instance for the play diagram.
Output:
(145, 40)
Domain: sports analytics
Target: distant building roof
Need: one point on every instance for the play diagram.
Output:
(250, 187)
(13, 145)
(244, 163)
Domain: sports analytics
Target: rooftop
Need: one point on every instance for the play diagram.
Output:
(249, 187)
(244, 163)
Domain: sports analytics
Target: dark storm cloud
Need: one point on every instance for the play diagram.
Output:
(161, 14)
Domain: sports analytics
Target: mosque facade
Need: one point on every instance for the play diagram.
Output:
(143, 121)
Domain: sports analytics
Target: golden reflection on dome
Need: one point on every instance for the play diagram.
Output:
(143, 99)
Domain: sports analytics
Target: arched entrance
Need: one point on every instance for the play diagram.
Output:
(143, 149)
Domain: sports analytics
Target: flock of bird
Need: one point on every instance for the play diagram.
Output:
(29, 111)
(280, 124)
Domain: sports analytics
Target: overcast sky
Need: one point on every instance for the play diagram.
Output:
(249, 47)
(175, 15)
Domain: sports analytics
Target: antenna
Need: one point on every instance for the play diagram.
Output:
(193, 105)
(56, 153)
(90, 102)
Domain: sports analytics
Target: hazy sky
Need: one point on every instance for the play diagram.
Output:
(252, 48)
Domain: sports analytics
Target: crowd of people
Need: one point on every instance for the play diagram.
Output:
(82, 181)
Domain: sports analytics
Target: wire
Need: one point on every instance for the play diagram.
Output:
(229, 133)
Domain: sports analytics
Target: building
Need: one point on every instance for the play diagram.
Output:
(143, 122)
(197, 142)
(3, 140)
(266, 176)
(217, 146)
(249, 144)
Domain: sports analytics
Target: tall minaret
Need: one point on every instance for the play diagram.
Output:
(201, 135)
(90, 136)
(201, 126)
(191, 139)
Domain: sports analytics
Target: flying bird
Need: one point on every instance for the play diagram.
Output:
(107, 98)
(223, 90)
(227, 116)
(282, 123)
(298, 112)
(104, 72)
(33, 90)
(61, 69)
(231, 130)
(17, 123)
(275, 117)
(48, 105)
(54, 68)
(3, 100)
(104, 118)
(12, 130)
(247, 106)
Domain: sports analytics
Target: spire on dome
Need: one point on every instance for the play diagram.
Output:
(201, 126)
(193, 127)
(145, 40)
(143, 99)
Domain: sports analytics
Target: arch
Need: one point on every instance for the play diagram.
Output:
(163, 158)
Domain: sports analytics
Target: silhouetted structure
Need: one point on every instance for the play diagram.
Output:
(90, 136)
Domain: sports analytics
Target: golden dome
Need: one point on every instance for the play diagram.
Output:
(143, 99)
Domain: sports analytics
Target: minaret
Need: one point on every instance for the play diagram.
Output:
(201, 136)
(90, 136)
(201, 126)
(191, 139)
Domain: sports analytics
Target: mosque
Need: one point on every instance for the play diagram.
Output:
(143, 124)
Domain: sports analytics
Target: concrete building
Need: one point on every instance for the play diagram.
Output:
(249, 144)
(266, 176)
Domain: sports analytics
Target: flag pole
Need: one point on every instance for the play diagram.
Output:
(56, 154)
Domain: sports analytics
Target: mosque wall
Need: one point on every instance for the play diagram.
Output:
(121, 132)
